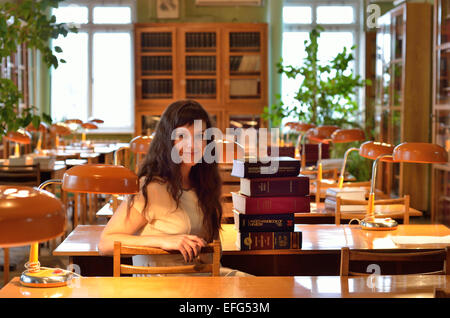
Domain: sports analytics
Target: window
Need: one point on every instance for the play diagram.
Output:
(97, 80)
(342, 28)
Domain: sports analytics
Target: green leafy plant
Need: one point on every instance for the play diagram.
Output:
(26, 22)
(327, 95)
(327, 91)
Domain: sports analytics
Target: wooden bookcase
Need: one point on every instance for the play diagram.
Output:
(440, 205)
(403, 95)
(221, 65)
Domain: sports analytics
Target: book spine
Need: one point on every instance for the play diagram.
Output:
(255, 170)
(297, 186)
(269, 240)
(265, 223)
(277, 205)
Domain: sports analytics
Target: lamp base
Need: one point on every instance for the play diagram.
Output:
(381, 224)
(46, 277)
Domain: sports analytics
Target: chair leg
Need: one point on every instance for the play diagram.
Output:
(6, 266)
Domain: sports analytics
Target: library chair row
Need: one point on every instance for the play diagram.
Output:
(341, 215)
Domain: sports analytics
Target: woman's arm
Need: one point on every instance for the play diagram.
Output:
(122, 227)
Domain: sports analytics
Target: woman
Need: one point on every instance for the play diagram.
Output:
(178, 207)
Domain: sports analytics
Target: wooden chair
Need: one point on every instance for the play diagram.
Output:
(347, 256)
(24, 175)
(126, 250)
(339, 214)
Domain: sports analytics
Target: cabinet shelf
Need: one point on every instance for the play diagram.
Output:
(224, 65)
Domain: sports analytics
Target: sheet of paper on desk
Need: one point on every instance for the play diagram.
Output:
(421, 239)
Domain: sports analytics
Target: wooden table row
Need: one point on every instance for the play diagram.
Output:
(319, 255)
(401, 286)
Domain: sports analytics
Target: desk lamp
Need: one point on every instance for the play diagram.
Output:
(18, 137)
(42, 129)
(322, 135)
(86, 127)
(379, 152)
(60, 129)
(88, 178)
(344, 136)
(96, 121)
(30, 216)
(73, 125)
(302, 128)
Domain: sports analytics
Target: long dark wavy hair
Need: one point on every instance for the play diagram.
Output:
(204, 177)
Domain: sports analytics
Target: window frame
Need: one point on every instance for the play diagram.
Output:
(356, 28)
(90, 28)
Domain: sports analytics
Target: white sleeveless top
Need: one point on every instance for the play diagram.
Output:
(165, 218)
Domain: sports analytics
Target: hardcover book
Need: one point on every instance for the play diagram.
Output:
(267, 167)
(278, 186)
(330, 204)
(247, 241)
(263, 222)
(270, 205)
(348, 193)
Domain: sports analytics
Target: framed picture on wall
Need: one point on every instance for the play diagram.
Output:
(168, 9)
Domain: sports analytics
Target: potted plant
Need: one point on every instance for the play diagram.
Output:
(26, 23)
(326, 93)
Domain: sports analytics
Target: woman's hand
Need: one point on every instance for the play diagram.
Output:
(188, 245)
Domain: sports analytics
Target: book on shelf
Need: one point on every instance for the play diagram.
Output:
(278, 186)
(270, 205)
(247, 241)
(250, 167)
(263, 222)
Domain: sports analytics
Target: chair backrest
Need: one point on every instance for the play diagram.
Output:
(29, 175)
(197, 266)
(340, 214)
(347, 256)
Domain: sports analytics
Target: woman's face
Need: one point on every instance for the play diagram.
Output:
(189, 142)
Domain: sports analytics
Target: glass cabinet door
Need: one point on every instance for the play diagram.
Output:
(442, 197)
(244, 65)
(444, 22)
(155, 64)
(443, 72)
(201, 71)
(442, 128)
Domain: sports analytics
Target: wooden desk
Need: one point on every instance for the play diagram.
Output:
(401, 286)
(320, 215)
(316, 216)
(320, 253)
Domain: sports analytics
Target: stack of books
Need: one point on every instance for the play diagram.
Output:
(265, 205)
(347, 193)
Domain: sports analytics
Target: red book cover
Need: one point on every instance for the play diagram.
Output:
(270, 205)
(283, 186)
